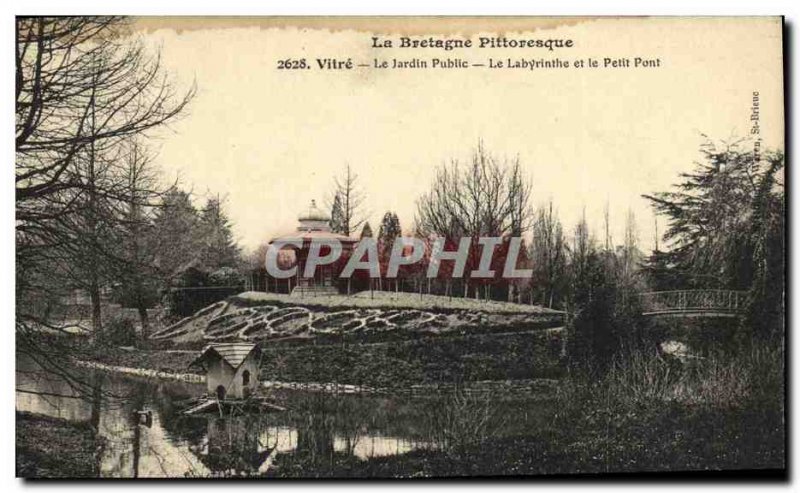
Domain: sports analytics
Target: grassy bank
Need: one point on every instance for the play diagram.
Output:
(55, 448)
(515, 356)
(427, 360)
(170, 361)
(648, 414)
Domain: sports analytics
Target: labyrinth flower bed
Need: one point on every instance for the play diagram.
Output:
(386, 300)
(253, 318)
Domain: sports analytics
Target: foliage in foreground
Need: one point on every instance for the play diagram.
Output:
(647, 414)
(54, 448)
(651, 413)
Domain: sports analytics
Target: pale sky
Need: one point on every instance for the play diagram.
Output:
(271, 140)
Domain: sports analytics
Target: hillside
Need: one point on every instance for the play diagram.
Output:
(256, 316)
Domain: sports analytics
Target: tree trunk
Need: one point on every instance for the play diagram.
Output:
(97, 315)
(97, 401)
(145, 321)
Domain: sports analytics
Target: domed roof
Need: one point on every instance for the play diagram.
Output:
(313, 213)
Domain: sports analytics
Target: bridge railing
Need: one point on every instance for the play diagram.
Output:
(693, 300)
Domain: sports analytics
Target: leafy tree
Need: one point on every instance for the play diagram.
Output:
(218, 247)
(592, 334)
(726, 224)
(337, 215)
(660, 272)
(366, 231)
(710, 215)
(387, 232)
(178, 243)
(765, 311)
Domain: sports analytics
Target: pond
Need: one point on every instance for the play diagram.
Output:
(316, 427)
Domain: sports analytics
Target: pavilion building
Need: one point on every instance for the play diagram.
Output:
(313, 224)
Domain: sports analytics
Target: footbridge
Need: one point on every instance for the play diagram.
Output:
(694, 303)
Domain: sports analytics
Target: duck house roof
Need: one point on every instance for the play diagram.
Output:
(232, 353)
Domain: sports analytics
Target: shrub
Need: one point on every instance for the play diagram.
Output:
(735, 380)
(119, 331)
(184, 302)
(648, 412)
(642, 379)
(226, 276)
(462, 422)
(752, 377)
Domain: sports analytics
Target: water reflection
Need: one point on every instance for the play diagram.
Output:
(235, 446)
(317, 427)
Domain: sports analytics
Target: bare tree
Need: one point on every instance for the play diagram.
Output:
(136, 272)
(582, 246)
(348, 201)
(69, 71)
(84, 88)
(548, 252)
(630, 248)
(607, 227)
(487, 197)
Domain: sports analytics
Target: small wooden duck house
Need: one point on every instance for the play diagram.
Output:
(231, 369)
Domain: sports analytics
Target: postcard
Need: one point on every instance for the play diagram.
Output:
(399, 247)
